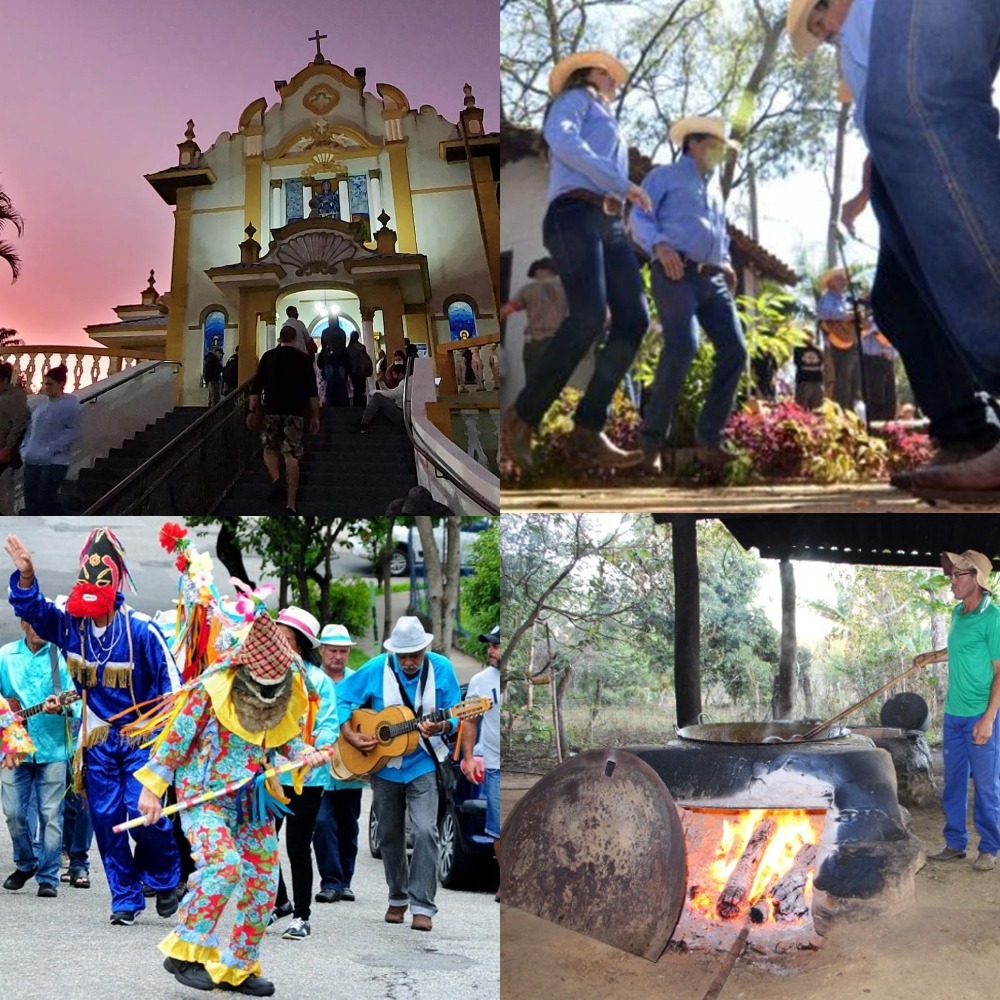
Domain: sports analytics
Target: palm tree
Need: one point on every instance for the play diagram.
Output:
(10, 214)
(9, 337)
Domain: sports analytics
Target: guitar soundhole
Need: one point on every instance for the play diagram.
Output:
(383, 734)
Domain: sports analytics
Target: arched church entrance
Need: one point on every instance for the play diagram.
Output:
(319, 307)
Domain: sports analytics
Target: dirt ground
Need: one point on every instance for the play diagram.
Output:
(946, 946)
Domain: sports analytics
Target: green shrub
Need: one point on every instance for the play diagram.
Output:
(350, 604)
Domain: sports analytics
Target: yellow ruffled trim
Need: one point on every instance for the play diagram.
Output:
(117, 677)
(227, 974)
(84, 675)
(219, 686)
(185, 951)
(148, 777)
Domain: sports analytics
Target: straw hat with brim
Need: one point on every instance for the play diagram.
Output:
(335, 635)
(565, 68)
(797, 24)
(303, 623)
(969, 559)
(700, 126)
(834, 272)
(265, 652)
(408, 636)
(492, 637)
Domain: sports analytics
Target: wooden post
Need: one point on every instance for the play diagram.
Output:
(687, 630)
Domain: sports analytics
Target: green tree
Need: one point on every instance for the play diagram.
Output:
(10, 216)
(481, 590)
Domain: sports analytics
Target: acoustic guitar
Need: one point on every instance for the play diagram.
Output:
(840, 333)
(395, 728)
(66, 698)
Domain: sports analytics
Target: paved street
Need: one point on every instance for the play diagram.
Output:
(66, 948)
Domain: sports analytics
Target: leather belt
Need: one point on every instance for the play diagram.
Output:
(609, 205)
(694, 267)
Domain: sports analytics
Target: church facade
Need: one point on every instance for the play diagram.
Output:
(352, 207)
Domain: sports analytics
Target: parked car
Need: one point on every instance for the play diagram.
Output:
(465, 853)
(407, 547)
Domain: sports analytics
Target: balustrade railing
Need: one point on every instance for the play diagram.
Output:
(194, 472)
(85, 365)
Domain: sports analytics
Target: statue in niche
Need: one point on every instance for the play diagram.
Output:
(325, 202)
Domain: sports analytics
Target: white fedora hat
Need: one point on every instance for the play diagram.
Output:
(300, 620)
(408, 636)
(335, 635)
(701, 126)
(565, 68)
(804, 43)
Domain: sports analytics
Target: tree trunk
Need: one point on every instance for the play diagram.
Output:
(227, 548)
(558, 690)
(837, 189)
(452, 579)
(687, 628)
(385, 559)
(435, 583)
(786, 662)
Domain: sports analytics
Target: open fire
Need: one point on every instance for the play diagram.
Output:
(750, 866)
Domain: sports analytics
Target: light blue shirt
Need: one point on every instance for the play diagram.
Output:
(363, 689)
(585, 145)
(854, 45)
(52, 431)
(873, 349)
(325, 729)
(688, 214)
(832, 306)
(27, 676)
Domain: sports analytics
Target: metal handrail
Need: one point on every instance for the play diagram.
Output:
(185, 462)
(443, 470)
(132, 373)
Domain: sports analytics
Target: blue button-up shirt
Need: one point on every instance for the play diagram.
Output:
(854, 46)
(586, 147)
(832, 305)
(688, 214)
(27, 676)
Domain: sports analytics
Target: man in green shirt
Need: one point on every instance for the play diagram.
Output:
(971, 746)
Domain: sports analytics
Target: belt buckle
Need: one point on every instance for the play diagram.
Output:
(611, 206)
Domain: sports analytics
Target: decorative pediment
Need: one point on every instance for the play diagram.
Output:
(315, 253)
(324, 163)
(321, 99)
(324, 136)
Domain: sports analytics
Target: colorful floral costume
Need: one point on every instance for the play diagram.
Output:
(203, 747)
(14, 738)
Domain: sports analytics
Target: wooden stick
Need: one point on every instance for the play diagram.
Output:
(788, 894)
(715, 987)
(740, 882)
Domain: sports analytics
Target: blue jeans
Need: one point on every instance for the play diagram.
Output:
(44, 784)
(335, 838)
(683, 305)
(412, 883)
(493, 803)
(41, 488)
(932, 130)
(963, 758)
(335, 377)
(599, 271)
(78, 833)
(942, 383)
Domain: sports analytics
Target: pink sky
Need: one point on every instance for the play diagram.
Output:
(97, 94)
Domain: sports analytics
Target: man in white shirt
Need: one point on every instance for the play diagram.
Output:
(387, 401)
(301, 333)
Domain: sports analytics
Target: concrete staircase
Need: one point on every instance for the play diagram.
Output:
(106, 473)
(343, 473)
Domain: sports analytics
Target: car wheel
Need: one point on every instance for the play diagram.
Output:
(373, 841)
(454, 865)
(399, 564)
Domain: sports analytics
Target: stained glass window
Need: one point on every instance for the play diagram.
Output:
(461, 320)
(293, 199)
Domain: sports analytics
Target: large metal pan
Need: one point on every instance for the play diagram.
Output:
(757, 732)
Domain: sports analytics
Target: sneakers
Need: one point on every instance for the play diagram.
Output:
(347, 895)
(297, 930)
(984, 863)
(252, 986)
(47, 891)
(421, 922)
(167, 903)
(946, 854)
(394, 915)
(285, 910)
(17, 878)
(123, 918)
(329, 896)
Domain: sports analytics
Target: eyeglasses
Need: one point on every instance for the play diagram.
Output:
(964, 572)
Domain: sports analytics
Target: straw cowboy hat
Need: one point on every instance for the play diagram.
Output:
(303, 623)
(797, 25)
(834, 272)
(408, 636)
(700, 126)
(335, 635)
(565, 68)
(969, 559)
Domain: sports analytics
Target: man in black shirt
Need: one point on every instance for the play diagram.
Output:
(286, 380)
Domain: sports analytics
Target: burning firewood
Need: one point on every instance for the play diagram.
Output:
(740, 882)
(788, 895)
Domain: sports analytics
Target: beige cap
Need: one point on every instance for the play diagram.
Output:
(700, 126)
(969, 559)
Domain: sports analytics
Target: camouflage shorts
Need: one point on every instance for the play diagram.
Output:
(283, 432)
